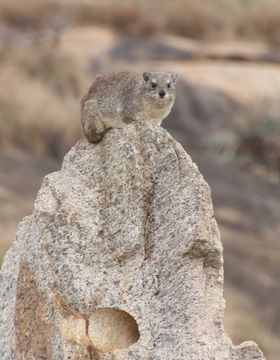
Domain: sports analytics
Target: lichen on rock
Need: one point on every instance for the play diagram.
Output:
(121, 259)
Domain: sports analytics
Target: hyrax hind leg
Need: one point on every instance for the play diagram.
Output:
(93, 126)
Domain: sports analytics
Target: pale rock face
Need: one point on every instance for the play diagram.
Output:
(121, 259)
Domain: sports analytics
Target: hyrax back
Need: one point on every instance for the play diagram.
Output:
(117, 99)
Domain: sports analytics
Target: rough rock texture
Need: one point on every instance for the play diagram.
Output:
(121, 259)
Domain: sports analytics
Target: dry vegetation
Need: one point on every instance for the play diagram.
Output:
(243, 319)
(42, 85)
(212, 19)
(38, 107)
(252, 142)
(53, 80)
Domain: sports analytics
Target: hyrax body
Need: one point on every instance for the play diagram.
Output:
(117, 99)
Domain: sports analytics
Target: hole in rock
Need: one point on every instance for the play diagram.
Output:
(110, 329)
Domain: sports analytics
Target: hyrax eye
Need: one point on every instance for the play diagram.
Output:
(154, 85)
(168, 85)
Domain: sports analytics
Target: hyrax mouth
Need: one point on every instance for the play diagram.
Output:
(163, 100)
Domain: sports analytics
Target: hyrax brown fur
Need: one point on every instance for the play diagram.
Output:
(117, 99)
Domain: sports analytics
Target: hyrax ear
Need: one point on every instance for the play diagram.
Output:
(174, 77)
(146, 76)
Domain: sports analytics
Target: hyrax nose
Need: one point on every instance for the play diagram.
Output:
(162, 93)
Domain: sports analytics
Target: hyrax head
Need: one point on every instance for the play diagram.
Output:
(160, 86)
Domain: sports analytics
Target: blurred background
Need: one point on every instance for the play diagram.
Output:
(227, 116)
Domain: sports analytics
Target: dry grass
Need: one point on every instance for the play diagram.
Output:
(27, 15)
(243, 322)
(55, 69)
(126, 17)
(38, 109)
(252, 142)
(260, 20)
(213, 19)
(258, 146)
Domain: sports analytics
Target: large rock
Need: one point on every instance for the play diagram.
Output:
(121, 259)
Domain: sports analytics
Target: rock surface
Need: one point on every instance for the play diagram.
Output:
(121, 259)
